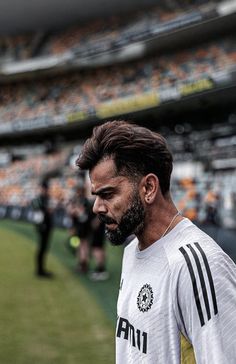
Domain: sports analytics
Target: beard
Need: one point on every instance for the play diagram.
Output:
(132, 222)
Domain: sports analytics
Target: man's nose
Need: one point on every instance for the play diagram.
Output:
(99, 206)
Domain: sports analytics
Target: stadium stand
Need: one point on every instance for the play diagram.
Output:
(109, 34)
(140, 76)
(117, 32)
(194, 189)
(87, 91)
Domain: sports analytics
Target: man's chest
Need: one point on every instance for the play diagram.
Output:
(145, 289)
(145, 299)
(145, 309)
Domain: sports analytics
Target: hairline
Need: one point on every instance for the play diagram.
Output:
(122, 172)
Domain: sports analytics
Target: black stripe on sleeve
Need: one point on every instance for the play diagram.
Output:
(209, 277)
(194, 283)
(202, 280)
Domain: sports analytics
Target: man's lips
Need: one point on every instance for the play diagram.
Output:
(111, 226)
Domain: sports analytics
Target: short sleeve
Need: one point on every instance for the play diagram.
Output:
(204, 280)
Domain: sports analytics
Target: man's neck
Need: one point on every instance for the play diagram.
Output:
(158, 222)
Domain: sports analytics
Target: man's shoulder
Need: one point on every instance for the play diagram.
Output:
(189, 243)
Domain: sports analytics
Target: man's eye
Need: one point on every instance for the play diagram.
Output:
(107, 195)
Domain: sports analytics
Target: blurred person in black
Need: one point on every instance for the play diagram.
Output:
(44, 228)
(98, 250)
(91, 235)
(212, 206)
(80, 211)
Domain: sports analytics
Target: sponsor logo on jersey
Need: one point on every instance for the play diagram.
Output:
(145, 298)
(136, 337)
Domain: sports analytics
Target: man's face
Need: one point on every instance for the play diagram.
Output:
(117, 203)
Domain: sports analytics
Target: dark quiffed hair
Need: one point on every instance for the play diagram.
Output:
(135, 150)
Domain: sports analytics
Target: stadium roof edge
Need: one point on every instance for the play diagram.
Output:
(22, 16)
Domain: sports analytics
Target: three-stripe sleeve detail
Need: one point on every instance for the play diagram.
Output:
(208, 270)
(202, 280)
(195, 262)
(194, 284)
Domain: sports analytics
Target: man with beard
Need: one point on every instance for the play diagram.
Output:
(177, 299)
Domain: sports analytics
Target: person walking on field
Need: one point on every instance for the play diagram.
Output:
(44, 228)
(177, 300)
(80, 211)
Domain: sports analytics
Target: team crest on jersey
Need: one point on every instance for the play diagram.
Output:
(145, 298)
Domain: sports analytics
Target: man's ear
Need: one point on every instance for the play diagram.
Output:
(150, 187)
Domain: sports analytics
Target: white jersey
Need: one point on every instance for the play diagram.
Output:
(178, 294)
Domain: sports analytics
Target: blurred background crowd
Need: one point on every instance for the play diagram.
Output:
(84, 91)
(170, 66)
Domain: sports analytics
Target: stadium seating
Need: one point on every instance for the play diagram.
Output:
(84, 91)
(80, 93)
(102, 35)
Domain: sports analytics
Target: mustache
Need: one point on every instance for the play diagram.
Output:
(106, 219)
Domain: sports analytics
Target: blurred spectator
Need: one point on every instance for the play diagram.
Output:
(44, 227)
(212, 206)
(87, 235)
(98, 250)
(81, 214)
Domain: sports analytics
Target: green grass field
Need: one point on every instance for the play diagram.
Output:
(66, 320)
